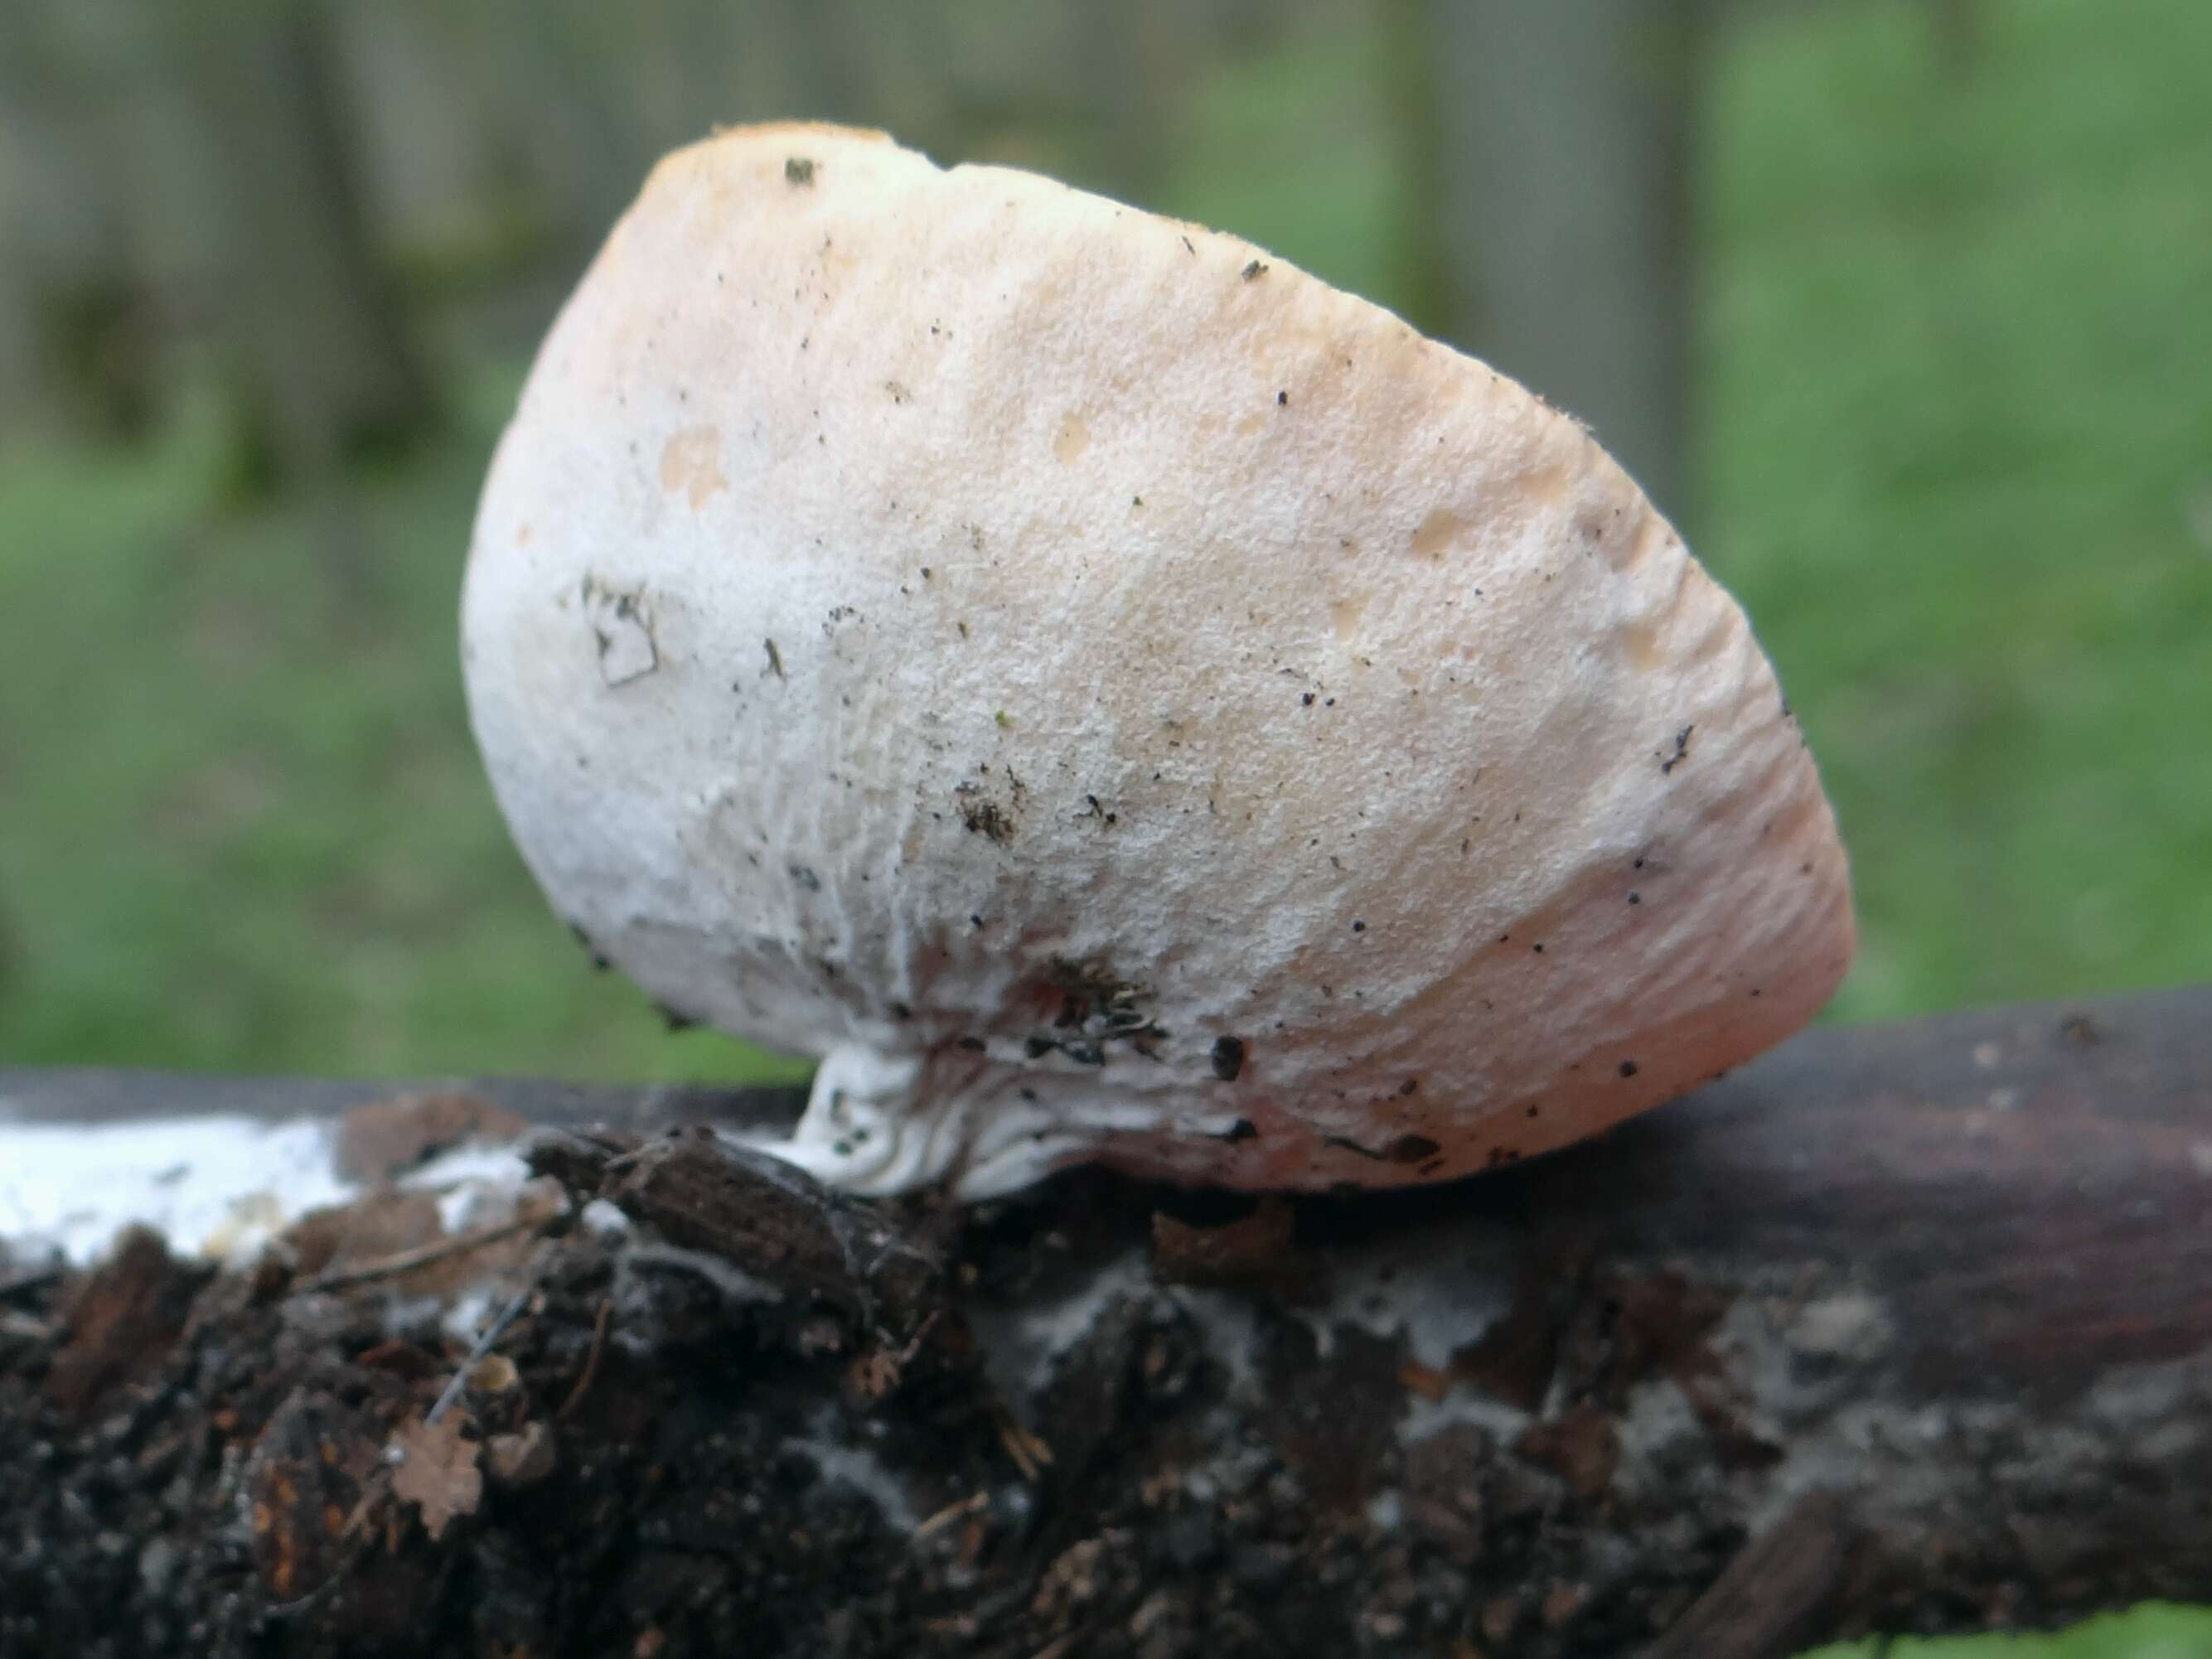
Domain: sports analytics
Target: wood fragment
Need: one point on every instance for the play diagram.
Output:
(591, 1370)
(700, 1191)
(1030, 1455)
(952, 1512)
(1767, 1602)
(389, 1266)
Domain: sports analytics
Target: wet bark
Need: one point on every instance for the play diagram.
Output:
(1563, 157)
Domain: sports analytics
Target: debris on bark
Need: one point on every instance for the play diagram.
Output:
(1836, 1347)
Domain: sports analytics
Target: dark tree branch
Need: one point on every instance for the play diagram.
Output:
(1900, 1328)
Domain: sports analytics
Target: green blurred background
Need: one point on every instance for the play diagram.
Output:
(1902, 308)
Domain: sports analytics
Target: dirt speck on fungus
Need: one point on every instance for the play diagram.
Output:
(1091, 1008)
(991, 805)
(599, 962)
(984, 817)
(1228, 1058)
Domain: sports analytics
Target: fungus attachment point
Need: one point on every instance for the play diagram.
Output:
(874, 1124)
(1363, 695)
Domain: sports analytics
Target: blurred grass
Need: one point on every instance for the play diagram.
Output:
(1958, 436)
(2150, 1632)
(245, 826)
(1957, 428)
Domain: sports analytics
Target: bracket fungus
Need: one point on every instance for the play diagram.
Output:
(1110, 695)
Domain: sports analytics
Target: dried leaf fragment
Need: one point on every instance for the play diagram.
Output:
(437, 1473)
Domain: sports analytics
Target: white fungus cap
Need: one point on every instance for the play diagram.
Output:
(1111, 695)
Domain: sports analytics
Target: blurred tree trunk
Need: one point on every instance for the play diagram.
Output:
(314, 328)
(1565, 132)
(101, 240)
(20, 379)
(552, 97)
(1129, 58)
(20, 369)
(1428, 297)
